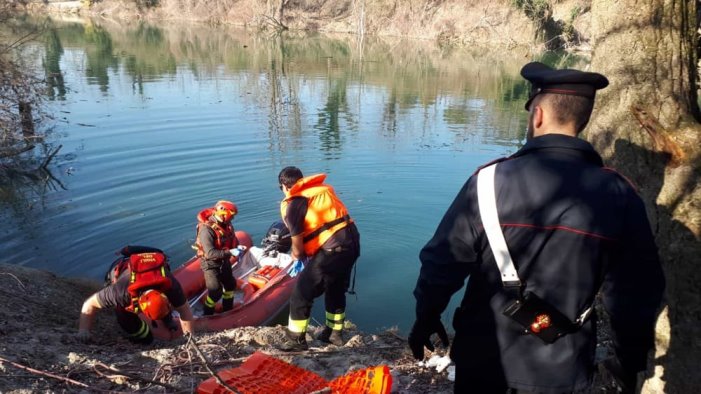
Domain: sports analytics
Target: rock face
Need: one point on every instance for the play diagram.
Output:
(39, 317)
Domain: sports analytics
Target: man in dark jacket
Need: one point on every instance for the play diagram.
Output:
(572, 228)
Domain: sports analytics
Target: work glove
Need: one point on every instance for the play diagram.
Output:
(297, 267)
(421, 333)
(238, 251)
(83, 336)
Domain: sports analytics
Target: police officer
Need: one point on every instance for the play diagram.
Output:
(572, 228)
(324, 235)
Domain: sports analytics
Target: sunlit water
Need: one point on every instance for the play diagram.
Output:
(157, 124)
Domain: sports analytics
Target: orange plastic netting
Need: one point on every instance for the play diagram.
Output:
(262, 374)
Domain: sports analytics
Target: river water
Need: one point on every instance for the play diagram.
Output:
(157, 123)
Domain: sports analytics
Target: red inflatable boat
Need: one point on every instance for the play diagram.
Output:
(263, 291)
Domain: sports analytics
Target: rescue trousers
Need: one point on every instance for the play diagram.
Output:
(327, 273)
(137, 330)
(219, 280)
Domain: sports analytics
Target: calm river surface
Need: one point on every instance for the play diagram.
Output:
(157, 123)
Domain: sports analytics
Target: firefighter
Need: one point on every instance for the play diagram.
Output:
(563, 227)
(217, 246)
(138, 282)
(325, 238)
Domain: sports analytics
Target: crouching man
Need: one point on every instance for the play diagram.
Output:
(138, 282)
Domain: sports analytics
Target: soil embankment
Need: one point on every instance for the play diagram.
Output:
(39, 317)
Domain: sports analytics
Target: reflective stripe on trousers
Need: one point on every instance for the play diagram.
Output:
(335, 320)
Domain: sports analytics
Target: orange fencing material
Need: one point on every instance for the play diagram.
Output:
(371, 380)
(264, 374)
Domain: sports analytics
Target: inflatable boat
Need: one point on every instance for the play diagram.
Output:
(263, 292)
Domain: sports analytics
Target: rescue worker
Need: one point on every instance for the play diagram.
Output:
(216, 246)
(571, 228)
(325, 238)
(139, 282)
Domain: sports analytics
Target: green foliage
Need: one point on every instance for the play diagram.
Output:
(538, 11)
(146, 3)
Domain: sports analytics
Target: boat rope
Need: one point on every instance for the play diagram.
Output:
(191, 341)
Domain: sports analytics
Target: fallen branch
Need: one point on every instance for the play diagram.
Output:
(191, 341)
(133, 377)
(51, 156)
(38, 372)
(11, 153)
(17, 279)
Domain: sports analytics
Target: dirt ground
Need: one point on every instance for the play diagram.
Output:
(39, 317)
(39, 352)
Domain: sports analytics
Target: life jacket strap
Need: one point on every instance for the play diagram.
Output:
(326, 226)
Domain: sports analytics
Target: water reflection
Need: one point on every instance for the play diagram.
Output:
(56, 88)
(278, 69)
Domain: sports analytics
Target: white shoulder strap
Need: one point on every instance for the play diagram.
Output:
(486, 198)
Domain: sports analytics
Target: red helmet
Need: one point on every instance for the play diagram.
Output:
(225, 210)
(154, 304)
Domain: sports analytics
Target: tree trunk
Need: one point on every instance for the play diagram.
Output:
(280, 14)
(646, 125)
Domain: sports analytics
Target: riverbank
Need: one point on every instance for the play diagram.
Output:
(495, 24)
(39, 352)
(39, 316)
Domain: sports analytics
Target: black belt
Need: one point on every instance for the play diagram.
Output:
(326, 226)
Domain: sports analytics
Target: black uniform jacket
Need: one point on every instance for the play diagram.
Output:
(572, 227)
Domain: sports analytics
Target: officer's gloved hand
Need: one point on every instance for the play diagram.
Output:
(238, 251)
(83, 336)
(297, 267)
(421, 333)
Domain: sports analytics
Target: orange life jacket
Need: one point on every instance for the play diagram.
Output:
(146, 271)
(326, 214)
(225, 235)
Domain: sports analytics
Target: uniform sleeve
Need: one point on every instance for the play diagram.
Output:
(115, 295)
(206, 239)
(448, 257)
(633, 288)
(294, 216)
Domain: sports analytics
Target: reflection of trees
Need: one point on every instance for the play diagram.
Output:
(282, 99)
(52, 57)
(100, 55)
(329, 123)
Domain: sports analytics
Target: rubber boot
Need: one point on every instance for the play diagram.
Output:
(333, 337)
(227, 304)
(207, 310)
(294, 342)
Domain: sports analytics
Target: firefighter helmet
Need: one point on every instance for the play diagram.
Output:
(154, 304)
(225, 210)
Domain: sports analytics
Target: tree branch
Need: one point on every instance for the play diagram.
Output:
(38, 372)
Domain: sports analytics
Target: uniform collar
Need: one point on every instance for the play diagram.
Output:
(560, 141)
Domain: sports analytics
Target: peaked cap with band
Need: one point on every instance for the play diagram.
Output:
(544, 79)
